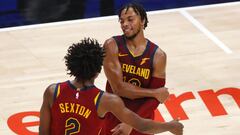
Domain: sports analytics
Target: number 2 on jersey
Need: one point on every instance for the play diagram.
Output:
(72, 126)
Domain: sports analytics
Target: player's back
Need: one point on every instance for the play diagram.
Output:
(75, 111)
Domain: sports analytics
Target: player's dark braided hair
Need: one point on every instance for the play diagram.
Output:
(84, 59)
(138, 9)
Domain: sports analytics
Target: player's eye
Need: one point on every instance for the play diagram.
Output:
(121, 21)
(130, 19)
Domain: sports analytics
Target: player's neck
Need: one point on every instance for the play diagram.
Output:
(81, 84)
(137, 45)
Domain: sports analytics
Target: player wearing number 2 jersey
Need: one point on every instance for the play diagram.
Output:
(79, 114)
(78, 107)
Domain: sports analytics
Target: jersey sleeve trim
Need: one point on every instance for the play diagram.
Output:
(97, 99)
(56, 91)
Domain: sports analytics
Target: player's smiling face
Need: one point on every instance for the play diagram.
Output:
(131, 23)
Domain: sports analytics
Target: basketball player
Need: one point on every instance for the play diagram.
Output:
(78, 107)
(135, 69)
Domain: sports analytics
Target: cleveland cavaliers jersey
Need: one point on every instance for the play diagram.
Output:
(136, 70)
(74, 112)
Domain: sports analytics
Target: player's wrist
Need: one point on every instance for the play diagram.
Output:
(154, 93)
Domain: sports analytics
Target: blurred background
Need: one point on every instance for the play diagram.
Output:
(26, 12)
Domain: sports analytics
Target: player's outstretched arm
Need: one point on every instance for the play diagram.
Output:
(114, 104)
(113, 72)
(45, 111)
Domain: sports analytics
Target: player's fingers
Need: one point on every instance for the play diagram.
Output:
(117, 132)
(115, 128)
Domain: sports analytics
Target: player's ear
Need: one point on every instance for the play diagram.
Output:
(143, 23)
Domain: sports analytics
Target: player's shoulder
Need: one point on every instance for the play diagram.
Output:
(110, 45)
(50, 89)
(110, 41)
(113, 40)
(110, 98)
(160, 53)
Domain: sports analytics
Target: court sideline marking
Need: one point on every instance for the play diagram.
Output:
(204, 30)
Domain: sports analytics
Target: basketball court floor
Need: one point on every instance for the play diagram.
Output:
(203, 68)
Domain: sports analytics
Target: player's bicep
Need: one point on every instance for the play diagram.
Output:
(45, 112)
(111, 64)
(159, 64)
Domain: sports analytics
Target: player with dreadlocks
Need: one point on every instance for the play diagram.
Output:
(78, 107)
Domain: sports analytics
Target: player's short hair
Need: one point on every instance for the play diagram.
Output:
(84, 59)
(138, 9)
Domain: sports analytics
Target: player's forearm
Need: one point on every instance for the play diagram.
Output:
(153, 127)
(130, 91)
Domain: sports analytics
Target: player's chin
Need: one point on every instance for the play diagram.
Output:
(129, 36)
